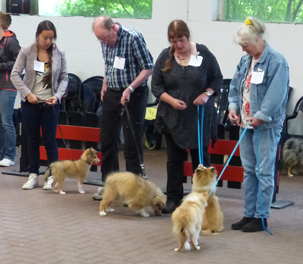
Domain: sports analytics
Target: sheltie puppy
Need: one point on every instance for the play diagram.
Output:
(187, 220)
(132, 190)
(72, 169)
(204, 180)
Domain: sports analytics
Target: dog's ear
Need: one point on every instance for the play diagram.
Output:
(213, 170)
(199, 170)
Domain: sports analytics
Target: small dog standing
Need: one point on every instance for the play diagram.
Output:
(72, 169)
(187, 220)
(134, 191)
(204, 180)
(292, 155)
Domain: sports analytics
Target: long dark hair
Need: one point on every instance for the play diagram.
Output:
(176, 29)
(48, 25)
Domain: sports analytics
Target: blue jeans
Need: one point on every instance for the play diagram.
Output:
(35, 116)
(7, 127)
(268, 140)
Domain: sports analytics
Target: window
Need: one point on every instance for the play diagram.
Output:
(93, 8)
(287, 11)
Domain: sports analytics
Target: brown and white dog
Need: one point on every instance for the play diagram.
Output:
(204, 180)
(132, 190)
(187, 220)
(72, 169)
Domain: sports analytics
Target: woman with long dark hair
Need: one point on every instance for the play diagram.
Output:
(41, 89)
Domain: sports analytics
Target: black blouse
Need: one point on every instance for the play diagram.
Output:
(186, 83)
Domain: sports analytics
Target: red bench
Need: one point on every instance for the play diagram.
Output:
(78, 133)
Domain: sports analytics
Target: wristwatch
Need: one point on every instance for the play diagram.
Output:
(208, 93)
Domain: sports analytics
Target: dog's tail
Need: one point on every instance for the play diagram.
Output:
(183, 234)
(47, 173)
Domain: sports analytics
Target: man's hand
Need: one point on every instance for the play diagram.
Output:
(233, 117)
(103, 91)
(126, 96)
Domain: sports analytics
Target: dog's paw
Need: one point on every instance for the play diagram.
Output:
(198, 248)
(110, 210)
(290, 175)
(177, 250)
(62, 192)
(103, 213)
(145, 215)
(81, 191)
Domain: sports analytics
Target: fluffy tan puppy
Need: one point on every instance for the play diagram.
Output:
(204, 180)
(134, 191)
(187, 220)
(72, 169)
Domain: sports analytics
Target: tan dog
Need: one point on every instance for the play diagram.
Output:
(134, 191)
(72, 169)
(187, 220)
(204, 180)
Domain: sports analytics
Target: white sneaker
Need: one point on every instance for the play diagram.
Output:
(31, 183)
(6, 162)
(48, 183)
(98, 196)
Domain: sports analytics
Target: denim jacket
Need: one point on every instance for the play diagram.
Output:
(268, 100)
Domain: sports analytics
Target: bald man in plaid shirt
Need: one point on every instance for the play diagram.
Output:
(128, 64)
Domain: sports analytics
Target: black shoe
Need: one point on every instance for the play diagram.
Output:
(243, 222)
(255, 225)
(169, 207)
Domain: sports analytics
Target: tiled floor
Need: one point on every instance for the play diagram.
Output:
(39, 226)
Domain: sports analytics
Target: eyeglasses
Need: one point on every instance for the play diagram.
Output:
(106, 38)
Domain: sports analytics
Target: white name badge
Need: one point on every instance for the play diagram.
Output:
(119, 63)
(257, 77)
(39, 66)
(195, 61)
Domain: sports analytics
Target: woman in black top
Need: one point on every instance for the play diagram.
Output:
(186, 75)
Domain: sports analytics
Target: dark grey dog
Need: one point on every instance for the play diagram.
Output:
(292, 154)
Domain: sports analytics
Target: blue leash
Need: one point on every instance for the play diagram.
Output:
(200, 133)
(231, 155)
(265, 228)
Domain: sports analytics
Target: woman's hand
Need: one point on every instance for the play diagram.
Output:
(178, 104)
(254, 121)
(52, 100)
(33, 99)
(201, 99)
(233, 117)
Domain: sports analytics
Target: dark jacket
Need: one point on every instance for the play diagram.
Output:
(9, 50)
(186, 84)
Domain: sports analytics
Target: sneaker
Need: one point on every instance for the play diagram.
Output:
(98, 196)
(243, 222)
(48, 183)
(255, 225)
(31, 183)
(6, 162)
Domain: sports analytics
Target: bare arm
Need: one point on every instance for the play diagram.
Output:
(141, 78)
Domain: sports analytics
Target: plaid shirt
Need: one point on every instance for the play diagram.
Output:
(131, 46)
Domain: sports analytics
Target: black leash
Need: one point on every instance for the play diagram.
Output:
(136, 143)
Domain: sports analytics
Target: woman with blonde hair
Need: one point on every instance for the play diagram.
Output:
(257, 99)
(186, 75)
(9, 50)
(41, 90)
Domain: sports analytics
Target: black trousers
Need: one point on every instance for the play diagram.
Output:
(175, 167)
(111, 127)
